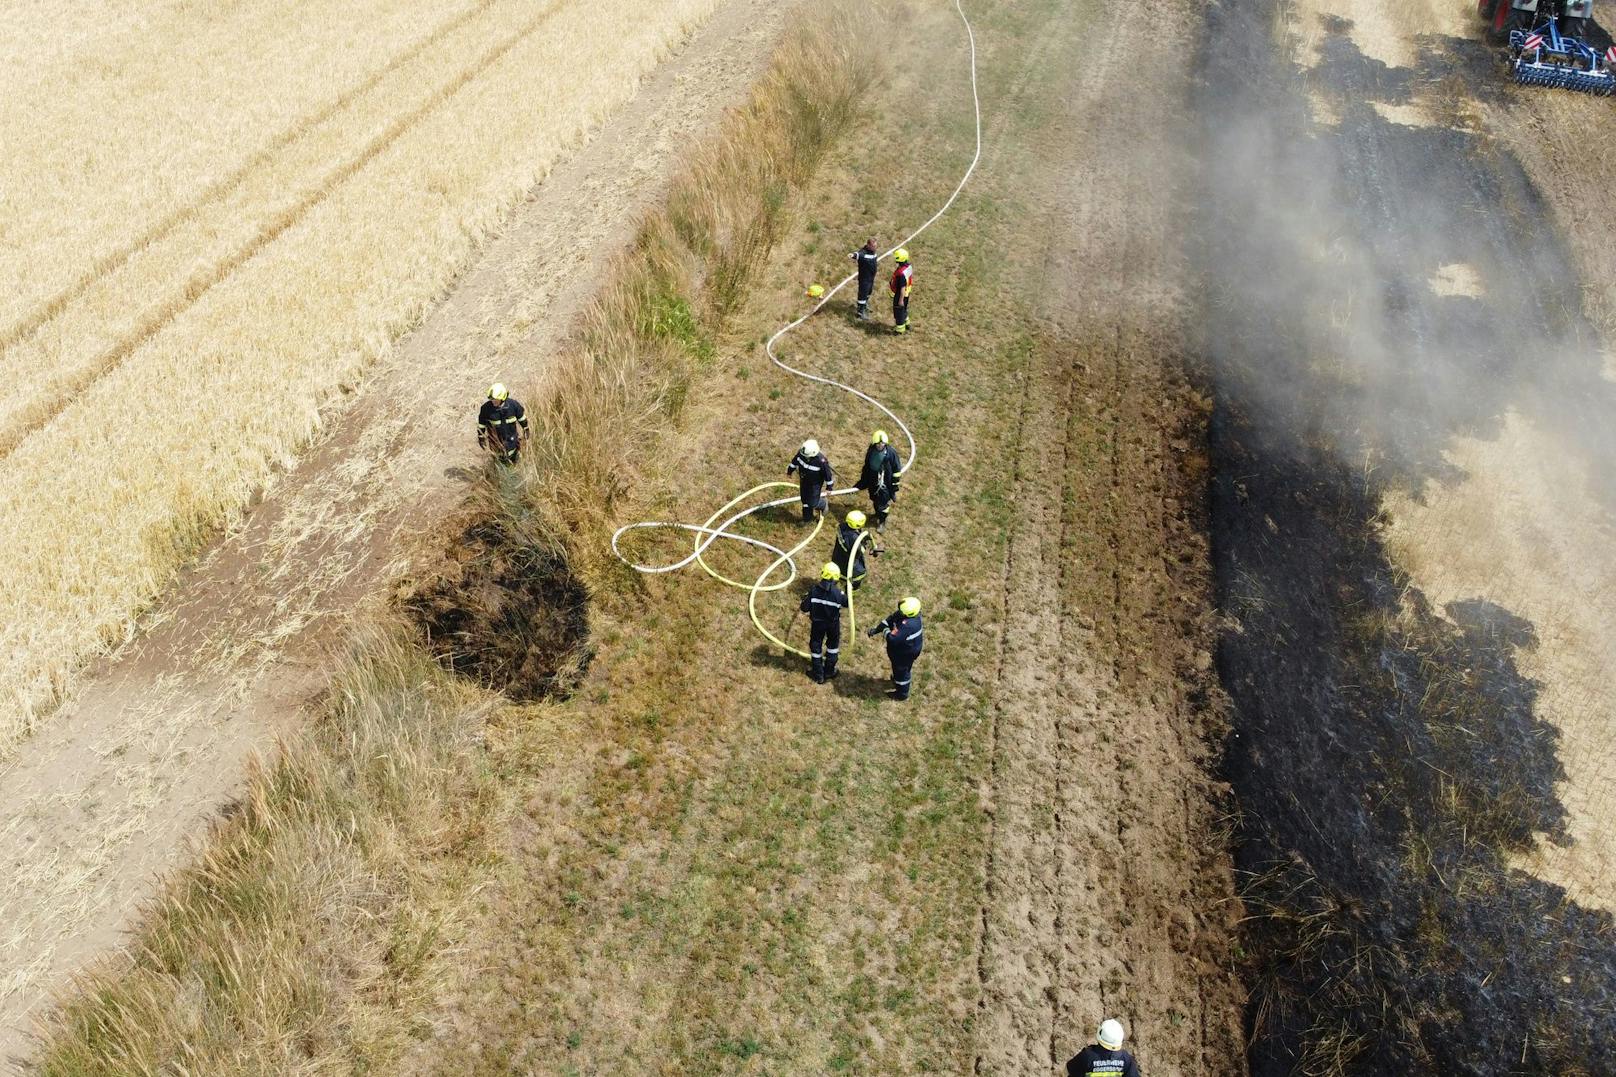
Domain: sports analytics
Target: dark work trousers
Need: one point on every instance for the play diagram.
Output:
(506, 452)
(825, 645)
(880, 502)
(813, 498)
(903, 671)
(865, 287)
(900, 310)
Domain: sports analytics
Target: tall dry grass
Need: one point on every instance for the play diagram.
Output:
(182, 369)
(646, 340)
(323, 897)
(307, 937)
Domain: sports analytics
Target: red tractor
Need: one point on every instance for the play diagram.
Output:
(1547, 43)
(1505, 15)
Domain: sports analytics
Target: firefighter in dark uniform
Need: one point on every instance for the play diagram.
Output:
(824, 604)
(867, 258)
(905, 637)
(903, 281)
(1106, 1058)
(842, 556)
(880, 476)
(814, 477)
(501, 424)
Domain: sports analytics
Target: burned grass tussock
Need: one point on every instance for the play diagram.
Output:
(1388, 759)
(505, 610)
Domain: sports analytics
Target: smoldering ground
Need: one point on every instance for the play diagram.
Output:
(1389, 757)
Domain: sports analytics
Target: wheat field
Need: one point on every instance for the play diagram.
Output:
(217, 217)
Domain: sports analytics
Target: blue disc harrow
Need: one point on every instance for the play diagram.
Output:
(1545, 57)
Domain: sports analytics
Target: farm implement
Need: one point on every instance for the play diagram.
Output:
(1547, 44)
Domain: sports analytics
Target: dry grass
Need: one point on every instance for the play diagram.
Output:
(321, 900)
(698, 868)
(310, 936)
(176, 343)
(1525, 530)
(654, 331)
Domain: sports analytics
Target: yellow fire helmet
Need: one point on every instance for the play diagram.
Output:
(830, 571)
(497, 391)
(855, 520)
(901, 256)
(815, 291)
(909, 607)
(879, 438)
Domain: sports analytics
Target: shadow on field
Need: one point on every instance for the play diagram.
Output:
(765, 656)
(861, 685)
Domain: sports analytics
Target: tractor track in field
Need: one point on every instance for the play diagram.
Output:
(196, 286)
(1106, 893)
(990, 880)
(32, 322)
(104, 800)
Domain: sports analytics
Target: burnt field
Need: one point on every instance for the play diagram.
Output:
(1389, 758)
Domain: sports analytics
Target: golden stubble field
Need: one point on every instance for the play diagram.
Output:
(214, 220)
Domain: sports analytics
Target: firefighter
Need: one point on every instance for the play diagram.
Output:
(847, 536)
(501, 424)
(880, 476)
(905, 637)
(824, 604)
(1106, 1058)
(867, 257)
(814, 477)
(903, 281)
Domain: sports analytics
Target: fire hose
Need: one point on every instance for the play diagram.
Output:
(718, 525)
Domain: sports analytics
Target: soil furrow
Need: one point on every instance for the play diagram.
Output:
(991, 886)
(1068, 760)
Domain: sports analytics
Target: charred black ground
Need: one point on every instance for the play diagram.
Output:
(1387, 756)
(505, 610)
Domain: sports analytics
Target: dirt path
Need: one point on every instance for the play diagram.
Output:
(102, 802)
(1106, 894)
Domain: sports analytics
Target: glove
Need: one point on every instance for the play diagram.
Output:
(872, 633)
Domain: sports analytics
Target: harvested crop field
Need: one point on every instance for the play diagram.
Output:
(1259, 401)
(179, 308)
